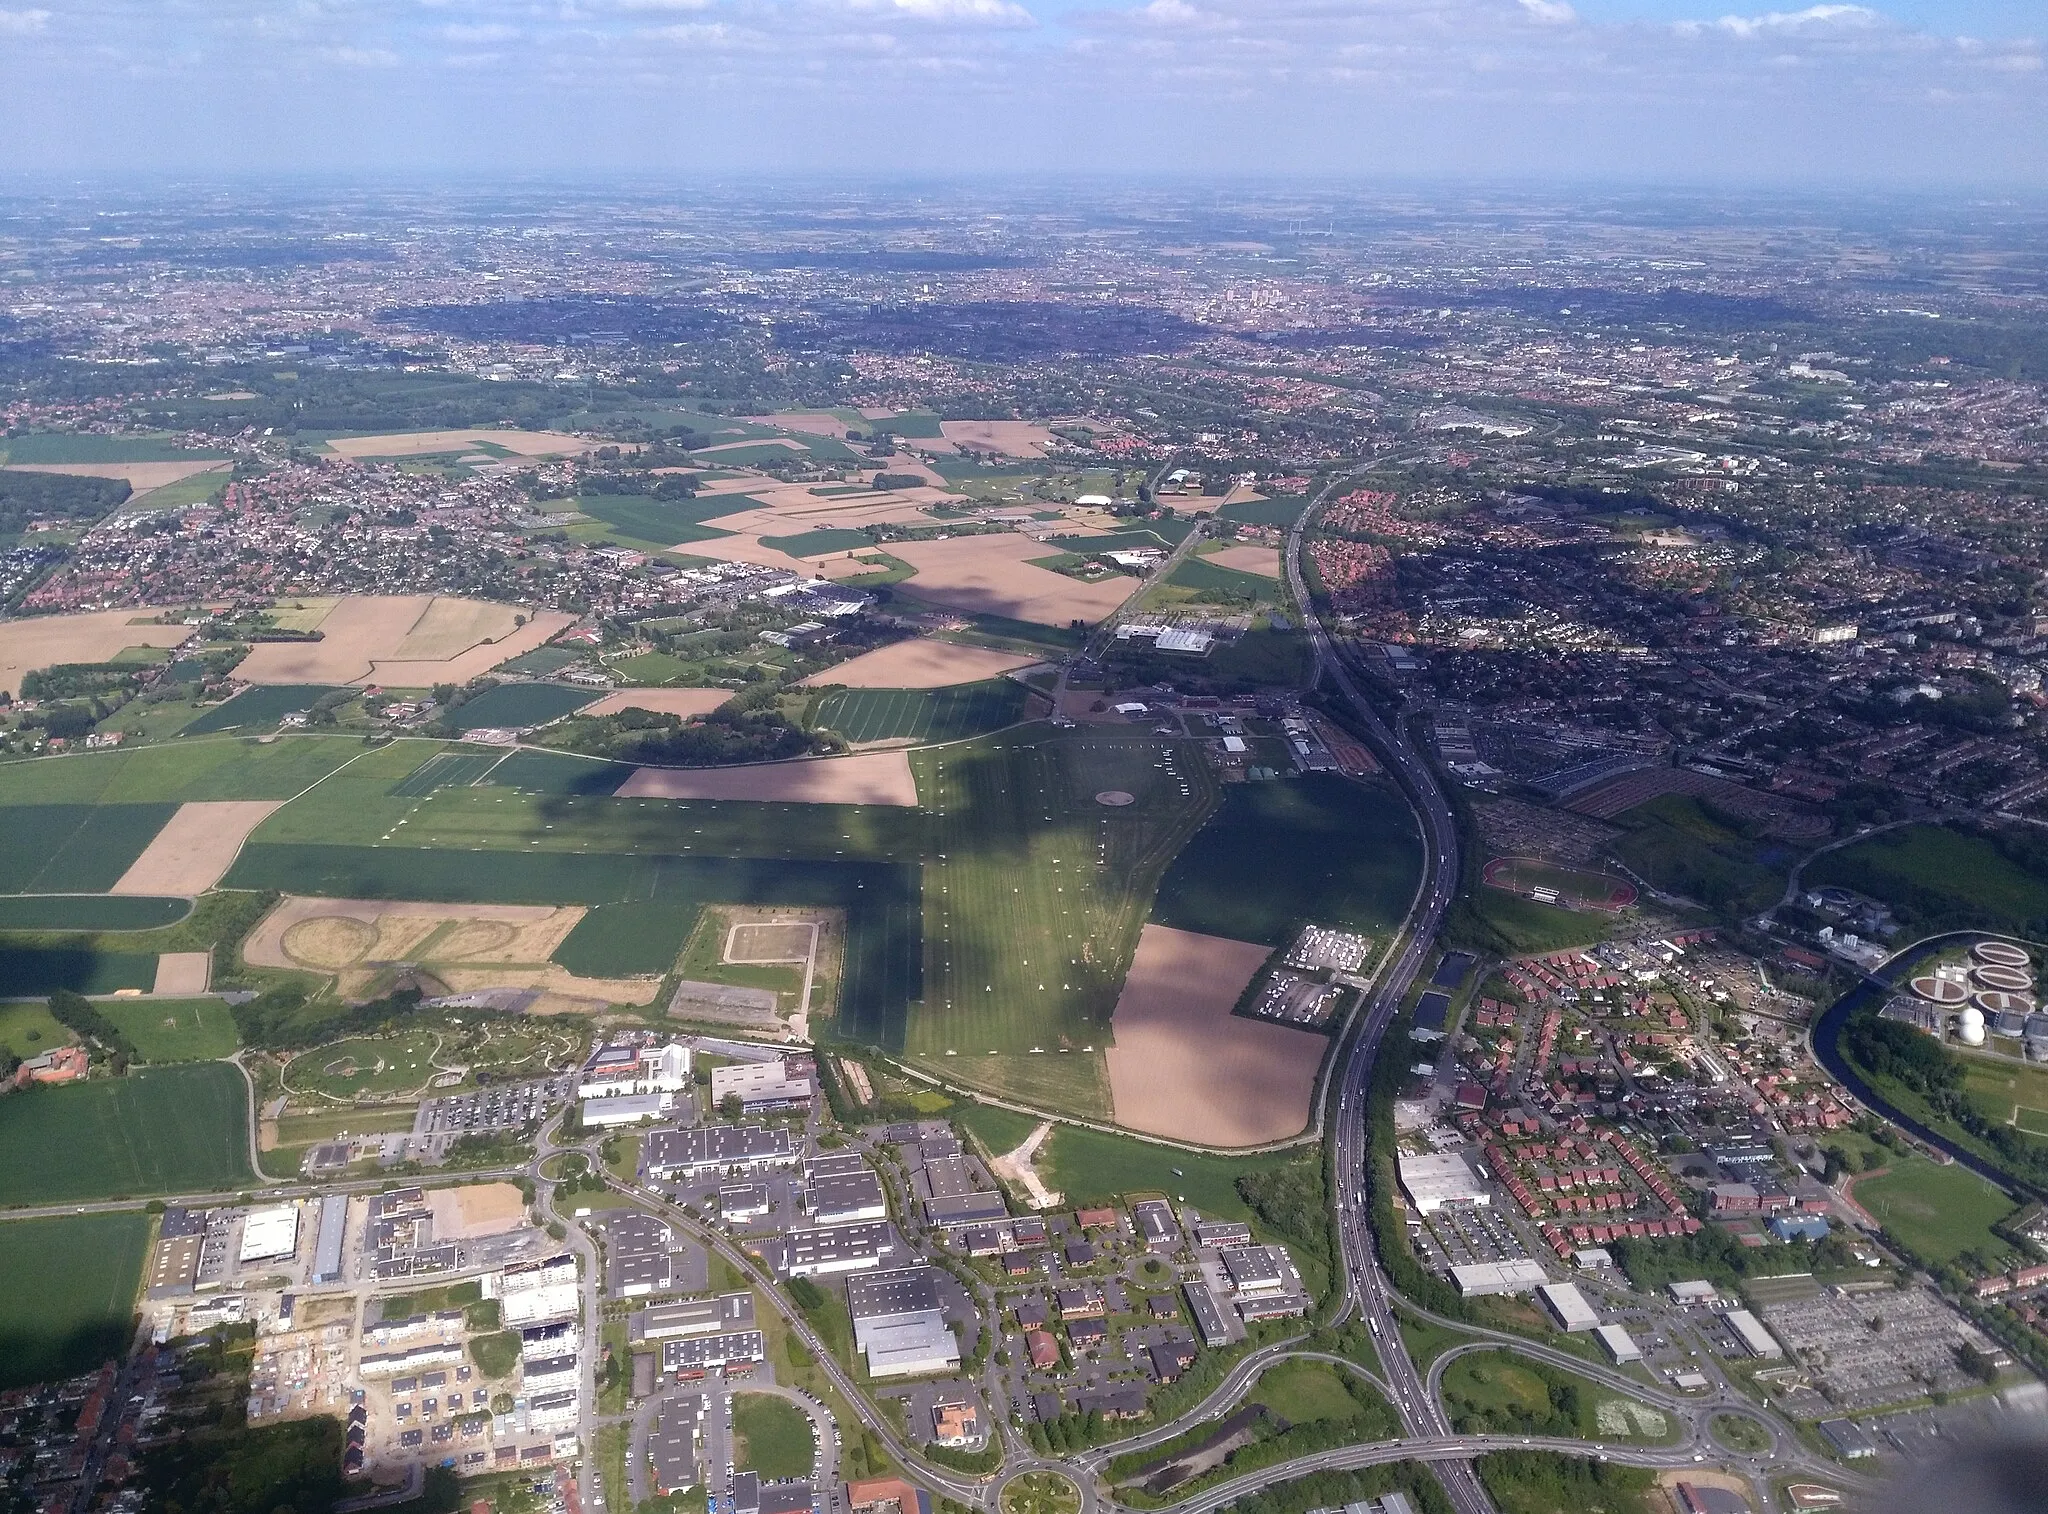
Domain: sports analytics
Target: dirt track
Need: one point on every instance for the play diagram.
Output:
(1184, 1067)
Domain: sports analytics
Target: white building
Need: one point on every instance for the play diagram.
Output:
(536, 1291)
(1618, 1344)
(1756, 1340)
(623, 1109)
(622, 1071)
(1441, 1180)
(270, 1234)
(899, 1325)
(1568, 1306)
(761, 1085)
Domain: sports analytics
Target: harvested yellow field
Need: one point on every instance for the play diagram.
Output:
(466, 947)
(402, 641)
(179, 975)
(1264, 561)
(809, 422)
(475, 1210)
(864, 778)
(142, 477)
(684, 702)
(1183, 1066)
(1011, 438)
(423, 443)
(42, 641)
(195, 848)
(993, 575)
(920, 664)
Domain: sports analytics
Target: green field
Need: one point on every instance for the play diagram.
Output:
(1495, 1391)
(160, 1130)
(256, 709)
(1213, 581)
(175, 1030)
(29, 1030)
(243, 768)
(1938, 1212)
(516, 705)
(560, 773)
(1318, 847)
(69, 1303)
(950, 714)
(636, 520)
(774, 1436)
(1091, 1164)
(89, 912)
(817, 543)
(1936, 878)
(445, 770)
(199, 489)
(73, 848)
(1678, 844)
(543, 661)
(1034, 892)
(1280, 510)
(635, 936)
(36, 972)
(81, 447)
(1304, 1392)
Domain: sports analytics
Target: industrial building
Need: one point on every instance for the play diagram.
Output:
(1208, 1314)
(672, 1446)
(622, 1109)
(1749, 1330)
(327, 1241)
(1441, 1180)
(834, 1248)
(1481, 1279)
(704, 1150)
(960, 1210)
(836, 1193)
(1568, 1306)
(706, 1353)
(638, 1260)
(1618, 1343)
(899, 1323)
(727, 1314)
(626, 1071)
(762, 1086)
(270, 1234)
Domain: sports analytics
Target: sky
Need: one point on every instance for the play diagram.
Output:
(1948, 94)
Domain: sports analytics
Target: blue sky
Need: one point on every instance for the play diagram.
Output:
(1910, 92)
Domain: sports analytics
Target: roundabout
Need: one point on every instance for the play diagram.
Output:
(1042, 1491)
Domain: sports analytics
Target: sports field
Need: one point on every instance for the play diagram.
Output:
(1525, 876)
(930, 715)
(1939, 1212)
(1317, 847)
(175, 1030)
(158, 1130)
(73, 848)
(69, 1303)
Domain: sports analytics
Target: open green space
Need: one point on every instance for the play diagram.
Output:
(1002, 629)
(175, 1030)
(157, 1130)
(81, 447)
(1499, 1393)
(516, 705)
(69, 1303)
(1490, 919)
(773, 1435)
(1280, 510)
(1316, 848)
(257, 709)
(1088, 1165)
(949, 714)
(495, 1355)
(197, 489)
(1544, 1482)
(1935, 878)
(29, 1030)
(543, 661)
(1302, 1392)
(1936, 1211)
(656, 524)
(560, 774)
(367, 1067)
(445, 770)
(36, 972)
(1034, 892)
(83, 912)
(627, 936)
(816, 543)
(1679, 843)
(231, 768)
(1740, 1433)
(73, 848)
(1214, 583)
(1041, 1492)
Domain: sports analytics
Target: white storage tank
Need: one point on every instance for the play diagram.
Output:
(1970, 1026)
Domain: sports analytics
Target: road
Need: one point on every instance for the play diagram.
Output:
(1366, 1291)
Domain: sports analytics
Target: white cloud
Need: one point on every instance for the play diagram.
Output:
(482, 32)
(363, 57)
(976, 12)
(22, 23)
(665, 5)
(1814, 17)
(1554, 11)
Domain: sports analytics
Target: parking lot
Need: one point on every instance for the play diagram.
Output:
(1453, 1237)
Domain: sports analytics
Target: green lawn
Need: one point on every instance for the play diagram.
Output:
(1676, 843)
(932, 715)
(1316, 848)
(773, 1435)
(1938, 878)
(29, 1030)
(633, 936)
(73, 848)
(1280, 510)
(365, 1066)
(1091, 1164)
(158, 1130)
(36, 972)
(1302, 1392)
(817, 543)
(1212, 581)
(175, 1030)
(184, 770)
(655, 524)
(1939, 1212)
(83, 447)
(69, 1303)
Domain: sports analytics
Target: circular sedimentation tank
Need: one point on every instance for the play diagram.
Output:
(1940, 990)
(1993, 1002)
(2000, 954)
(2010, 980)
